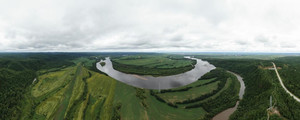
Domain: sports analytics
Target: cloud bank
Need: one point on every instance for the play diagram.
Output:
(151, 26)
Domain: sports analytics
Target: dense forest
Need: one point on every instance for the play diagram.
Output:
(290, 73)
(260, 85)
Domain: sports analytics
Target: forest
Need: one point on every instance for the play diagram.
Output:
(290, 72)
(17, 72)
(260, 85)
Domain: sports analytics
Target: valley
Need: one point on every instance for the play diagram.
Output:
(74, 88)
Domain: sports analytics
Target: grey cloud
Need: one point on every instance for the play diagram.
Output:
(262, 39)
(287, 45)
(177, 38)
(241, 42)
(138, 25)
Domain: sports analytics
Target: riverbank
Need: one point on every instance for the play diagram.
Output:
(162, 82)
(224, 115)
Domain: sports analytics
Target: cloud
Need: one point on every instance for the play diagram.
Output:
(137, 25)
(241, 42)
(262, 39)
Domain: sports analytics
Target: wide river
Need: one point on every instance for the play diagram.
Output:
(163, 82)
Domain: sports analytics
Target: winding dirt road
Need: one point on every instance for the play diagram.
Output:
(295, 97)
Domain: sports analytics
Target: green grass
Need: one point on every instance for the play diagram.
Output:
(161, 111)
(51, 81)
(61, 111)
(60, 93)
(101, 88)
(153, 61)
(200, 82)
(153, 65)
(78, 89)
(79, 114)
(132, 109)
(192, 93)
(228, 82)
(48, 107)
(87, 62)
(189, 86)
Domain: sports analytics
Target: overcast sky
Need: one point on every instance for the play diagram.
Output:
(150, 25)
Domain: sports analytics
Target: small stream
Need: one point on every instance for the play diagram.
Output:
(224, 115)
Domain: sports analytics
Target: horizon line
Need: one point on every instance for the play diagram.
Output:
(249, 52)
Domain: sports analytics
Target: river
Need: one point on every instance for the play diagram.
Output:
(224, 115)
(163, 82)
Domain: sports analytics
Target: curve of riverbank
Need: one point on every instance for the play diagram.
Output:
(163, 82)
(224, 115)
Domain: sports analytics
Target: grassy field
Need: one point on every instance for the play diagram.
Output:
(87, 62)
(158, 65)
(52, 80)
(153, 61)
(132, 108)
(70, 93)
(192, 93)
(219, 93)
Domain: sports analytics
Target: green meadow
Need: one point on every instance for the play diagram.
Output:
(156, 65)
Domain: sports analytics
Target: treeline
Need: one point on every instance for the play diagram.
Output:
(117, 111)
(140, 93)
(225, 100)
(162, 100)
(202, 97)
(176, 90)
(220, 75)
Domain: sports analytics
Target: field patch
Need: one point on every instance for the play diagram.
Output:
(153, 65)
(53, 80)
(192, 93)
